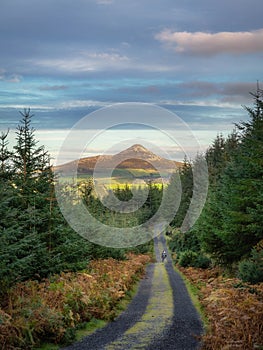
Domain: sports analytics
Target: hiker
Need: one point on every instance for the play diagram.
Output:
(164, 255)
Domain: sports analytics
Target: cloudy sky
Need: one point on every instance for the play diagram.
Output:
(65, 59)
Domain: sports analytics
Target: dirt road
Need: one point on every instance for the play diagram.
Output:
(161, 315)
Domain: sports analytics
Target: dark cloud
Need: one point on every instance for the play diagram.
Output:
(228, 89)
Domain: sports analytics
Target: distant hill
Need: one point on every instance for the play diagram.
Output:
(135, 161)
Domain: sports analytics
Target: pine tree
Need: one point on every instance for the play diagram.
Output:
(186, 184)
(5, 156)
(219, 154)
(231, 222)
(29, 159)
(35, 239)
(242, 188)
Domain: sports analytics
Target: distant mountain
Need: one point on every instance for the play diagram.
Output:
(137, 160)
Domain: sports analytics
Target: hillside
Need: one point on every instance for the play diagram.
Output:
(135, 161)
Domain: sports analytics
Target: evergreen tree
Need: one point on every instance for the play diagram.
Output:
(219, 154)
(242, 188)
(215, 157)
(186, 184)
(35, 240)
(29, 159)
(5, 157)
(230, 224)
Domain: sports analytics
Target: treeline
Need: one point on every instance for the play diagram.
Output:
(122, 213)
(229, 230)
(35, 239)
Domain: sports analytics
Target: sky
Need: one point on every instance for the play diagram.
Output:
(65, 59)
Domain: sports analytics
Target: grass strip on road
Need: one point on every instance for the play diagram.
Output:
(155, 320)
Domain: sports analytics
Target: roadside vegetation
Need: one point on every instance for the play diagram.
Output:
(233, 309)
(55, 308)
(222, 254)
(229, 231)
(45, 266)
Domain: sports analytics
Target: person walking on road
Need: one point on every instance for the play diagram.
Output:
(164, 255)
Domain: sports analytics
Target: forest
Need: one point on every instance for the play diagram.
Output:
(228, 232)
(36, 242)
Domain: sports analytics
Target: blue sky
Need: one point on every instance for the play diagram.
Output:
(65, 58)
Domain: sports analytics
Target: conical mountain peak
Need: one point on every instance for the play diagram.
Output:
(134, 157)
(138, 148)
(137, 151)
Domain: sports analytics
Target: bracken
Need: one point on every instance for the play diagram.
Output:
(36, 312)
(234, 310)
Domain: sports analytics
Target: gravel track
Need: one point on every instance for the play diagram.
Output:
(160, 316)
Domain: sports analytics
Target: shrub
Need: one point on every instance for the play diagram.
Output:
(203, 262)
(194, 259)
(187, 258)
(181, 241)
(251, 270)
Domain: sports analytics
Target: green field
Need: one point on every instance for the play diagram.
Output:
(136, 178)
